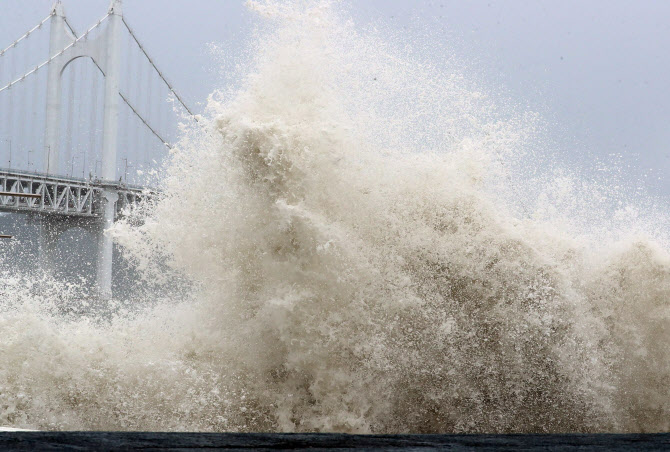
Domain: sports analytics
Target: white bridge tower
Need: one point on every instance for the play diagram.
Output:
(104, 50)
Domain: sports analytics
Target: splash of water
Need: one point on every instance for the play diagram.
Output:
(354, 268)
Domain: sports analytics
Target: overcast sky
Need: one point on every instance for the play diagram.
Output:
(596, 70)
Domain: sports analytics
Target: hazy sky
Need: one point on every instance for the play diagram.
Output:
(596, 70)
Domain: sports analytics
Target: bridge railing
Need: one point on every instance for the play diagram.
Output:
(66, 179)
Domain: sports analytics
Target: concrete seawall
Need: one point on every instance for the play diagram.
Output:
(54, 441)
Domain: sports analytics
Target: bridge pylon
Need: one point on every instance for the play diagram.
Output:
(104, 50)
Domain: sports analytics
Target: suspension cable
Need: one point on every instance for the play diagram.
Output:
(72, 69)
(172, 90)
(140, 63)
(11, 95)
(25, 35)
(94, 117)
(76, 67)
(128, 88)
(142, 151)
(22, 107)
(35, 143)
(74, 33)
(125, 99)
(40, 66)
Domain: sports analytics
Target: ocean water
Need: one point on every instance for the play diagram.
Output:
(362, 243)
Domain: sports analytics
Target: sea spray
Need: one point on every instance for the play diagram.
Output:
(351, 267)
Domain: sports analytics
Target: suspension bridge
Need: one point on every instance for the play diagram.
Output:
(85, 120)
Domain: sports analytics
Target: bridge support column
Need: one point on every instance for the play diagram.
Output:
(106, 245)
(109, 143)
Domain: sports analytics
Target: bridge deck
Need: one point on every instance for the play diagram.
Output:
(59, 195)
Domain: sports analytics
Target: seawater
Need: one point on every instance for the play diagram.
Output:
(356, 252)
